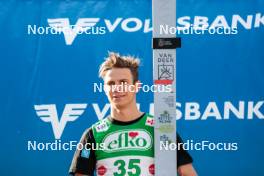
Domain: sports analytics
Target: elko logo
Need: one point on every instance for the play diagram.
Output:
(48, 113)
(70, 33)
(137, 139)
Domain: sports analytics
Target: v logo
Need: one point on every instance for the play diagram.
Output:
(71, 31)
(48, 113)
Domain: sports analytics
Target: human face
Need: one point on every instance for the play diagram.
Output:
(118, 81)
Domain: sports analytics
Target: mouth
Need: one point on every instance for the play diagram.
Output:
(117, 97)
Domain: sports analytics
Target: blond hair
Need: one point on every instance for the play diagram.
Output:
(114, 60)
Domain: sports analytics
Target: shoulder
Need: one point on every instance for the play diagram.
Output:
(87, 136)
(87, 132)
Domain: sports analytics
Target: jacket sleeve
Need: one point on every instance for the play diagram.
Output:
(84, 160)
(183, 157)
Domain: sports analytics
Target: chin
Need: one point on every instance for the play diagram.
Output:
(120, 104)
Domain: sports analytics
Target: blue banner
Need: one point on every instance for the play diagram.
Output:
(49, 67)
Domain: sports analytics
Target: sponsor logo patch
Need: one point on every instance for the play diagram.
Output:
(101, 170)
(85, 153)
(149, 121)
(137, 139)
(152, 169)
(102, 126)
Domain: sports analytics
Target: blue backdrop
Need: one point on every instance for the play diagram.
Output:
(215, 73)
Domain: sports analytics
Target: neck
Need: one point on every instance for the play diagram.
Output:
(126, 114)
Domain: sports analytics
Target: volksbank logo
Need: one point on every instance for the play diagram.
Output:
(241, 110)
(137, 139)
(133, 24)
(48, 113)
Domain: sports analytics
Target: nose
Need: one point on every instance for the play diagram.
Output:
(119, 87)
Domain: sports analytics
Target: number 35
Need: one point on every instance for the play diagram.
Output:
(133, 167)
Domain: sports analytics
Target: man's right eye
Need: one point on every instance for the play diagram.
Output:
(111, 83)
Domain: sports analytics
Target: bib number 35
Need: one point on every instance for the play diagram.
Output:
(133, 168)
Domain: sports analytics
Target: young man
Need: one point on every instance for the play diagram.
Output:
(122, 144)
